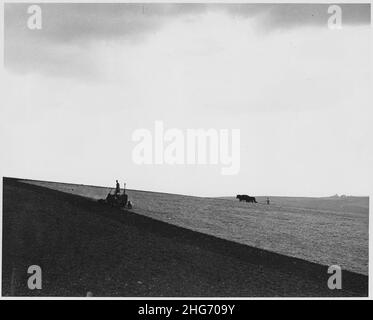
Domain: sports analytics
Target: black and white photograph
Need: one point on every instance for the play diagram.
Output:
(186, 150)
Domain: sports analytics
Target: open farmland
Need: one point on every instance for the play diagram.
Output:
(83, 245)
(322, 230)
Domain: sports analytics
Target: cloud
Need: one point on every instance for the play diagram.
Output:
(85, 22)
(67, 22)
(290, 16)
(301, 98)
(64, 45)
(287, 16)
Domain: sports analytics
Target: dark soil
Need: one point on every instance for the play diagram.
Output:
(82, 245)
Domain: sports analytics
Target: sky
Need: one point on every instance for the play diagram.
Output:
(74, 92)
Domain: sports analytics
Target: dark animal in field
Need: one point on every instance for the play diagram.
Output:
(245, 197)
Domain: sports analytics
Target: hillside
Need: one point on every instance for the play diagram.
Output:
(322, 230)
(83, 246)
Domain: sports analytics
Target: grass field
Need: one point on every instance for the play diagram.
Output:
(82, 245)
(323, 230)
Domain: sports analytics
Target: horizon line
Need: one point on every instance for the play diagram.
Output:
(188, 195)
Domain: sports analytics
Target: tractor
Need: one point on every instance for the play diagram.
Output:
(115, 199)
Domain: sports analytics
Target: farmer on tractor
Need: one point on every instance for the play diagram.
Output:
(117, 188)
(117, 199)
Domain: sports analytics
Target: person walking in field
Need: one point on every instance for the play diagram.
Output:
(267, 200)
